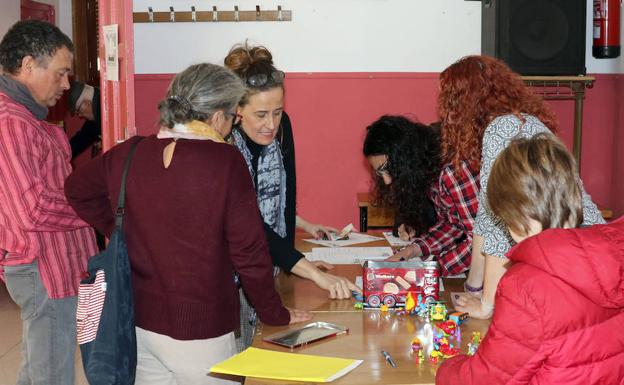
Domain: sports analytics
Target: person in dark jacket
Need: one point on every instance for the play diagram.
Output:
(84, 101)
(191, 219)
(263, 135)
(560, 306)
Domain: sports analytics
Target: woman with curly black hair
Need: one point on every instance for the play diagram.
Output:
(435, 202)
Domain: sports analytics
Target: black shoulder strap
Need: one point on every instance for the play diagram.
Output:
(122, 191)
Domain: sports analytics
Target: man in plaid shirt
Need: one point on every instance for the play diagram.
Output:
(44, 246)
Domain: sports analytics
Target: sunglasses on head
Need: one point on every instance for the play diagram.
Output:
(259, 80)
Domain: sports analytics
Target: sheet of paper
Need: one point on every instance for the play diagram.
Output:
(395, 241)
(262, 363)
(111, 54)
(354, 239)
(348, 255)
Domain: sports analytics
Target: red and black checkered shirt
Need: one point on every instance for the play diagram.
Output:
(449, 241)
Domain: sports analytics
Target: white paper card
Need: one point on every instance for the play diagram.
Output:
(111, 54)
(348, 255)
(354, 239)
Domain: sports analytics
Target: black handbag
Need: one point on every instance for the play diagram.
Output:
(105, 315)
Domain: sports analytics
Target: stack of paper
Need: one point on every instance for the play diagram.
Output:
(354, 239)
(348, 255)
(263, 363)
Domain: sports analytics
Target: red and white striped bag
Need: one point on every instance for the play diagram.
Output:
(90, 304)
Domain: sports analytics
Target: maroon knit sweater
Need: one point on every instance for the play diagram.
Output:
(187, 228)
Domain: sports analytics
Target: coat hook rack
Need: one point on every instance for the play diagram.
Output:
(194, 15)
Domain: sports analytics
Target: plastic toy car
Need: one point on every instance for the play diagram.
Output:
(388, 283)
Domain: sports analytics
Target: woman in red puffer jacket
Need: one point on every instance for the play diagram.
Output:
(559, 310)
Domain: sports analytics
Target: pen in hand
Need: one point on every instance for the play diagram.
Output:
(388, 358)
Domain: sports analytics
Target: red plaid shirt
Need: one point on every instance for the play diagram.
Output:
(456, 204)
(36, 222)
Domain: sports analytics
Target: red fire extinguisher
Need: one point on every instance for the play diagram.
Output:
(606, 29)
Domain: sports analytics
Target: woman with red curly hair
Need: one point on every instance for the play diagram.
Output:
(483, 105)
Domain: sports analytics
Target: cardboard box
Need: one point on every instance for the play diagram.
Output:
(387, 283)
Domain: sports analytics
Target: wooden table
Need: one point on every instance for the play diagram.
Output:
(370, 331)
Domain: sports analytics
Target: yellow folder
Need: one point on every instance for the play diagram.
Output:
(263, 363)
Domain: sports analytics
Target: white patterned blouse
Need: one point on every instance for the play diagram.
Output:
(496, 138)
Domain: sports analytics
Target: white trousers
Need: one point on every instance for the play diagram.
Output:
(163, 360)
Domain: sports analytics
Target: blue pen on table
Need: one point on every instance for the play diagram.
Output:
(388, 358)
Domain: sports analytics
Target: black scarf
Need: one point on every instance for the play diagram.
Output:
(21, 95)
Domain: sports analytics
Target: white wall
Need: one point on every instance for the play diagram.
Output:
(63, 10)
(330, 36)
(325, 35)
(10, 14)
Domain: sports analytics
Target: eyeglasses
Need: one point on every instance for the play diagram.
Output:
(259, 80)
(382, 170)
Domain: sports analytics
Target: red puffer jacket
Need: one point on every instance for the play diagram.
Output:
(559, 315)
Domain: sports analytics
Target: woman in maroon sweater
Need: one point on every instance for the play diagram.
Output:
(191, 219)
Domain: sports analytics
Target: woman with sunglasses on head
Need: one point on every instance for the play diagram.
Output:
(263, 135)
(436, 205)
(483, 105)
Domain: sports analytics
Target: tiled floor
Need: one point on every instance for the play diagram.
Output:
(10, 342)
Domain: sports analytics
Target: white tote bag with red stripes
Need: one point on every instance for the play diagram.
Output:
(90, 304)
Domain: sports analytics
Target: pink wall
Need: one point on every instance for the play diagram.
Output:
(618, 151)
(330, 112)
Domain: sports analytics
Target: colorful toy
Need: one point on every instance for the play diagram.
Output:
(392, 283)
(474, 343)
(442, 347)
(384, 308)
(421, 356)
(410, 303)
(437, 311)
(448, 327)
(435, 356)
(448, 350)
(458, 317)
(358, 305)
(422, 308)
(416, 346)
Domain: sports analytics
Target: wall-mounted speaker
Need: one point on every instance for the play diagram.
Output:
(535, 37)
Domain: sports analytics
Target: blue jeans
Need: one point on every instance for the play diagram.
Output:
(49, 329)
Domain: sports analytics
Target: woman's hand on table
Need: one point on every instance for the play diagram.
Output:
(338, 287)
(319, 231)
(297, 315)
(316, 230)
(405, 253)
(473, 305)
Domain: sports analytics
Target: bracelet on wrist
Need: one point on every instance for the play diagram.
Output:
(472, 289)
